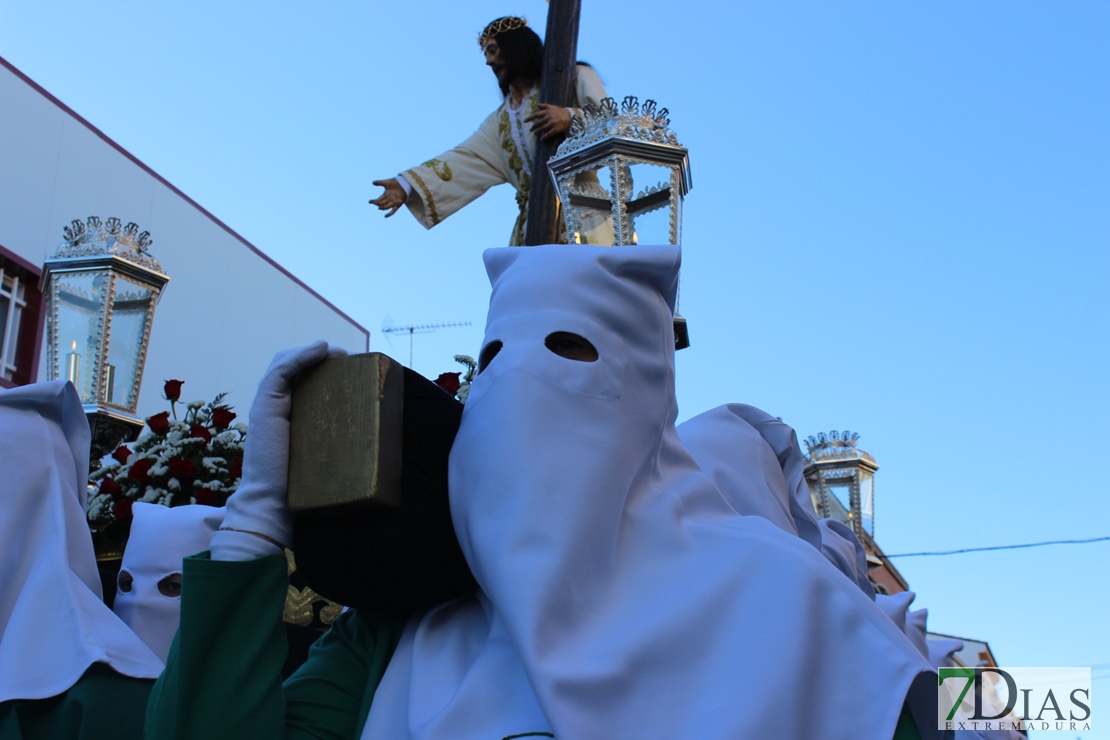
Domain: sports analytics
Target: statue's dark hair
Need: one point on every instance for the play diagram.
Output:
(522, 51)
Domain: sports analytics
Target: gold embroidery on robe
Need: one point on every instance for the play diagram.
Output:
(441, 168)
(299, 602)
(427, 194)
(505, 133)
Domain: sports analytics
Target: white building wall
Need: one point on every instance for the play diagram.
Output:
(227, 308)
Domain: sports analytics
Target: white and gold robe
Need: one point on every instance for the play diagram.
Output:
(500, 151)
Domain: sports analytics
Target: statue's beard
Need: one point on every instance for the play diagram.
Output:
(504, 76)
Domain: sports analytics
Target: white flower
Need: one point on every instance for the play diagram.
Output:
(464, 385)
(470, 364)
(228, 436)
(97, 506)
(213, 464)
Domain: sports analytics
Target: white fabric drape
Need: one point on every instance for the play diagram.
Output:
(53, 623)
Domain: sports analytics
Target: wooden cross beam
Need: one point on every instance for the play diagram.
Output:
(560, 50)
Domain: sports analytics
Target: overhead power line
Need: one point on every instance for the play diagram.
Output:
(998, 547)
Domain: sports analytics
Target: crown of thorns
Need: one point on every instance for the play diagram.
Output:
(499, 26)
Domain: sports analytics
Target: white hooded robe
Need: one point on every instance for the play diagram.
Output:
(622, 595)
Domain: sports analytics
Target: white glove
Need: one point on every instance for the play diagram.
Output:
(257, 522)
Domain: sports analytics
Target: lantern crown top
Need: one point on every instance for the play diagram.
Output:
(95, 238)
(835, 446)
(630, 120)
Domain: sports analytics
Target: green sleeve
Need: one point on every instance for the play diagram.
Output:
(330, 695)
(223, 674)
(906, 729)
(102, 704)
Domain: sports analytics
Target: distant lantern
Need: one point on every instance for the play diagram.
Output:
(101, 288)
(841, 480)
(621, 176)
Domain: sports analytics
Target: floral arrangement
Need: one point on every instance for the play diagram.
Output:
(458, 384)
(197, 459)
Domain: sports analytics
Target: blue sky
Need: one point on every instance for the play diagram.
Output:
(898, 226)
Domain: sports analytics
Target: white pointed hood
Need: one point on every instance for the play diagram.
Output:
(161, 537)
(942, 651)
(896, 606)
(756, 463)
(636, 600)
(53, 623)
(916, 622)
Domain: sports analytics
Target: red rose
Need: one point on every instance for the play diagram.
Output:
(205, 497)
(200, 432)
(109, 486)
(140, 470)
(121, 454)
(172, 389)
(222, 417)
(236, 467)
(181, 468)
(159, 423)
(449, 382)
(122, 510)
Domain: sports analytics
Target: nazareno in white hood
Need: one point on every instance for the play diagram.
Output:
(623, 595)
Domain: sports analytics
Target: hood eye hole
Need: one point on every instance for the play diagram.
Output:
(571, 346)
(170, 585)
(124, 581)
(488, 353)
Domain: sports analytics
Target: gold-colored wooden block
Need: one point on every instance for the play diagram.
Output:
(345, 434)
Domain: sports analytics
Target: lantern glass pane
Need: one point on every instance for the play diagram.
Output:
(648, 203)
(592, 207)
(815, 499)
(79, 298)
(867, 502)
(837, 485)
(131, 308)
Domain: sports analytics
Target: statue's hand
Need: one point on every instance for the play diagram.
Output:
(550, 121)
(392, 199)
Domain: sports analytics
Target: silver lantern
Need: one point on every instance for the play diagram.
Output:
(621, 176)
(101, 288)
(841, 480)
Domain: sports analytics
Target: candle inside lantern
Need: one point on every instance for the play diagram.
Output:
(109, 383)
(73, 365)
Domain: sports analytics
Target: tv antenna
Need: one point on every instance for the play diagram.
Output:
(414, 329)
